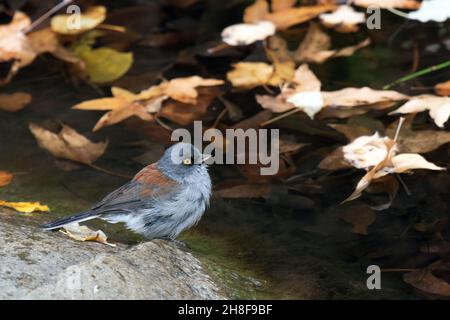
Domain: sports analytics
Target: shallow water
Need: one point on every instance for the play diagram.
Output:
(255, 248)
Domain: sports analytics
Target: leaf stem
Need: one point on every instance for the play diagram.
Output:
(418, 74)
(42, 18)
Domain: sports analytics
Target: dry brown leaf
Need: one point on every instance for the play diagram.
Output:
(83, 233)
(360, 217)
(274, 104)
(401, 4)
(118, 115)
(22, 49)
(426, 281)
(334, 161)
(345, 19)
(14, 102)
(125, 104)
(377, 155)
(183, 113)
(68, 144)
(5, 178)
(250, 74)
(421, 141)
(304, 92)
(438, 107)
(45, 40)
(184, 89)
(15, 45)
(315, 47)
(244, 191)
(277, 51)
(25, 207)
(351, 97)
(443, 89)
(285, 15)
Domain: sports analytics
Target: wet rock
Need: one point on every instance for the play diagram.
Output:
(47, 265)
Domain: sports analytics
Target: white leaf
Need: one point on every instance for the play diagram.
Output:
(247, 33)
(310, 102)
(432, 10)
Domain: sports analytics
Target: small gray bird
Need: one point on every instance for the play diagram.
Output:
(161, 201)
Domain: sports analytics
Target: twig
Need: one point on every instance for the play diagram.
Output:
(397, 270)
(418, 74)
(415, 64)
(42, 18)
(95, 167)
(281, 116)
(219, 117)
(408, 192)
(162, 124)
(399, 127)
(112, 27)
(270, 91)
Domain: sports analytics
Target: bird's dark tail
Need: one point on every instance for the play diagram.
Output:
(83, 216)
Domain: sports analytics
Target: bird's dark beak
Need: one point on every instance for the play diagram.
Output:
(205, 157)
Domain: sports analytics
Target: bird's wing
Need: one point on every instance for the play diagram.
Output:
(147, 186)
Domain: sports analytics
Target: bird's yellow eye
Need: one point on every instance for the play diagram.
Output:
(187, 161)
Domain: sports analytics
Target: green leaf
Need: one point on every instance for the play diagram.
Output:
(102, 64)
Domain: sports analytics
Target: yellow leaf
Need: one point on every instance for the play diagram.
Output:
(101, 104)
(103, 64)
(83, 233)
(25, 207)
(250, 74)
(73, 24)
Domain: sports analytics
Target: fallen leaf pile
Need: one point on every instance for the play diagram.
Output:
(125, 104)
(304, 93)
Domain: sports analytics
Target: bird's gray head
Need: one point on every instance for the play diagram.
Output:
(183, 162)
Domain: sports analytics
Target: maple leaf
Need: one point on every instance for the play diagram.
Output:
(125, 104)
(22, 49)
(315, 47)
